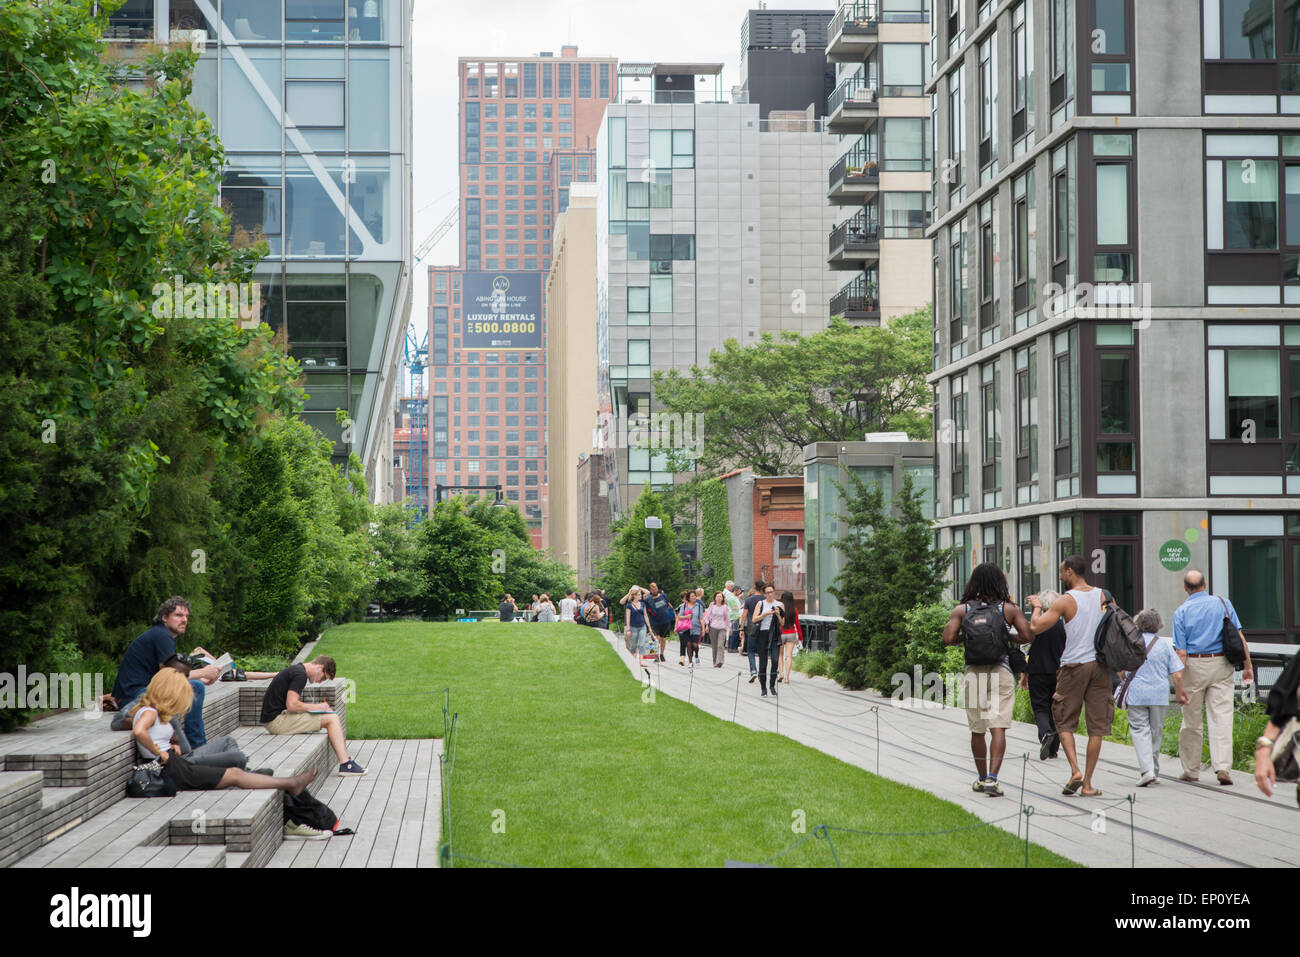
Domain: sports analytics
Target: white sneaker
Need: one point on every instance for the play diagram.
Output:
(1146, 778)
(305, 832)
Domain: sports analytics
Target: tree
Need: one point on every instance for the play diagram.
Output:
(631, 561)
(456, 558)
(524, 571)
(397, 560)
(890, 567)
(763, 403)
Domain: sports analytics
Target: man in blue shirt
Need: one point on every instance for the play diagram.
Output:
(663, 617)
(146, 655)
(1198, 639)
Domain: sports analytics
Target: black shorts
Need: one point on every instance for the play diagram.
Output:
(664, 629)
(185, 775)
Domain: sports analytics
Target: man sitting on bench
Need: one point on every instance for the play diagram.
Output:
(284, 711)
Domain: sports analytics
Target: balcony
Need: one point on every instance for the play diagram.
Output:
(854, 177)
(855, 242)
(852, 108)
(852, 33)
(859, 301)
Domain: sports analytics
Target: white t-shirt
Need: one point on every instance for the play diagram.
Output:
(770, 622)
(159, 733)
(1081, 630)
(567, 607)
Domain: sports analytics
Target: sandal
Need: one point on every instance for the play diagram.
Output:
(1072, 786)
(1093, 794)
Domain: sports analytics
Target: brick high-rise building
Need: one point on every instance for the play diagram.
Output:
(527, 127)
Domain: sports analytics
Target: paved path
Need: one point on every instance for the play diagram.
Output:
(1175, 824)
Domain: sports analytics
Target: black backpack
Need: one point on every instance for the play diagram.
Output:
(1117, 640)
(984, 630)
(305, 809)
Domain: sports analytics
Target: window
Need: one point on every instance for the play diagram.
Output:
(960, 451)
(957, 290)
(1110, 64)
(1113, 258)
(1061, 57)
(988, 93)
(584, 81)
(604, 81)
(564, 81)
(1066, 367)
(1069, 538)
(906, 144)
(1255, 559)
(960, 561)
(992, 535)
(902, 69)
(955, 171)
(1063, 225)
(1024, 240)
(956, 25)
(1248, 29)
(1026, 425)
(991, 411)
(990, 328)
(904, 215)
(638, 305)
(1027, 548)
(1119, 536)
(530, 85)
(1116, 439)
(1022, 45)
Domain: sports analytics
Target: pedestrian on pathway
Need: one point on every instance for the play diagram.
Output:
(568, 606)
(732, 596)
(1198, 637)
(662, 618)
(634, 627)
(1040, 679)
(791, 634)
(685, 611)
(749, 627)
(980, 623)
(768, 614)
(698, 632)
(1081, 683)
(1147, 695)
(1283, 713)
(717, 619)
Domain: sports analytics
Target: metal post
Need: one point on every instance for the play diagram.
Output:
(736, 704)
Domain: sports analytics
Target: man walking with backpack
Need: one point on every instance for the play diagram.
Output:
(981, 622)
(1082, 684)
(1199, 625)
(662, 615)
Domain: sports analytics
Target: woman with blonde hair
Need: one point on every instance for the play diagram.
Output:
(168, 696)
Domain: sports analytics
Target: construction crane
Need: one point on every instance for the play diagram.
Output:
(439, 231)
(417, 482)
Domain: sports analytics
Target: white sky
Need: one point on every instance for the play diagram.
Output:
(666, 30)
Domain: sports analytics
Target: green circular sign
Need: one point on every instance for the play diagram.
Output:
(1175, 555)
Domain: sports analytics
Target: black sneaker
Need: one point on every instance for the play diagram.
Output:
(1045, 748)
(351, 767)
(773, 690)
(753, 676)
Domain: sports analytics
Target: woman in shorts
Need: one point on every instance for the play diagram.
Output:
(169, 694)
(635, 626)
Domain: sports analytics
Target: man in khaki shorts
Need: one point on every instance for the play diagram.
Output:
(1081, 683)
(284, 711)
(986, 614)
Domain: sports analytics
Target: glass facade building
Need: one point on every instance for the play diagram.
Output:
(311, 99)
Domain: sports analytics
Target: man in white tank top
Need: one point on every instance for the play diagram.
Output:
(1081, 683)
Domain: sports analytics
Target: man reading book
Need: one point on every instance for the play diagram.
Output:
(284, 711)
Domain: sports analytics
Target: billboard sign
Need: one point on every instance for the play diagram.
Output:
(502, 310)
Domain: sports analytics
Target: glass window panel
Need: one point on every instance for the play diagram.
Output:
(1113, 38)
(1293, 373)
(661, 293)
(1250, 216)
(1112, 205)
(1255, 581)
(1110, 78)
(661, 156)
(638, 299)
(371, 198)
(902, 64)
(251, 20)
(313, 215)
(1293, 205)
(314, 104)
(1116, 394)
(1247, 29)
(1253, 391)
(313, 19)
(1115, 457)
(1112, 144)
(254, 125)
(369, 84)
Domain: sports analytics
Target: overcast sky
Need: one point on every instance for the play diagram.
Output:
(667, 30)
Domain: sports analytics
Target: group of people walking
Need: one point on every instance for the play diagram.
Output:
(761, 626)
(1064, 678)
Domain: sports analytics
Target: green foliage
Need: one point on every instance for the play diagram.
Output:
(763, 403)
(456, 558)
(524, 571)
(813, 663)
(923, 626)
(632, 562)
(715, 535)
(890, 566)
(399, 579)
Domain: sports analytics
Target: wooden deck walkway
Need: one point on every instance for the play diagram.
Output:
(395, 808)
(1174, 824)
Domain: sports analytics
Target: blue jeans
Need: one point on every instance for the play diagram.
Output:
(194, 718)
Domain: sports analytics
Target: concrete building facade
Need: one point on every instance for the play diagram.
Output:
(1117, 329)
(783, 63)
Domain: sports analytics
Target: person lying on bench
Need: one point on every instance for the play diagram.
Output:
(284, 711)
(169, 694)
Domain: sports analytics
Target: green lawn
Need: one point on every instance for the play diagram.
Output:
(557, 744)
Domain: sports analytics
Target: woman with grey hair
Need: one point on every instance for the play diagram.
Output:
(1040, 679)
(1147, 695)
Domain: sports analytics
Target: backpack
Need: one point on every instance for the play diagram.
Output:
(305, 809)
(1117, 640)
(984, 630)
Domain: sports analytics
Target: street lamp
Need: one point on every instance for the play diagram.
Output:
(653, 522)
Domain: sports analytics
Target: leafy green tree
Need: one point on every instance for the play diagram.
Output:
(397, 560)
(631, 561)
(456, 558)
(890, 567)
(524, 571)
(763, 403)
